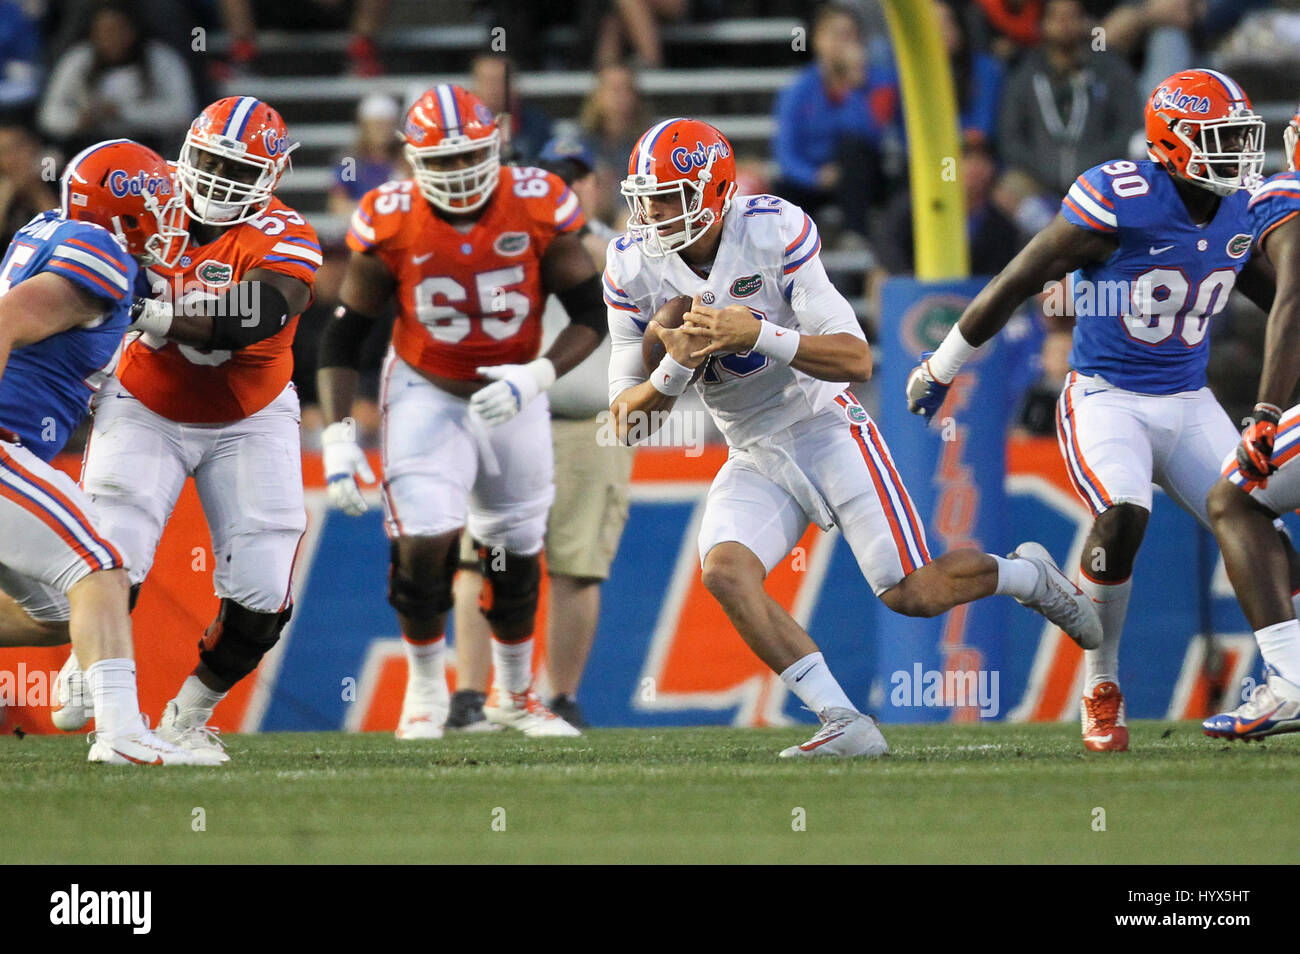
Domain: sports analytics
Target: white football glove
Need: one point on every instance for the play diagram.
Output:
(345, 461)
(514, 385)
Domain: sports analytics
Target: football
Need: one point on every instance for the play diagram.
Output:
(670, 315)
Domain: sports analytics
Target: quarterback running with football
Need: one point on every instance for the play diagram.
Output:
(469, 250)
(1174, 232)
(204, 391)
(1261, 479)
(66, 291)
(783, 344)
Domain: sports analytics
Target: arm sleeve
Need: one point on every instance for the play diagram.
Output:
(818, 305)
(1090, 203)
(626, 369)
(92, 260)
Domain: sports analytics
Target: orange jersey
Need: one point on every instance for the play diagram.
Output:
(467, 299)
(193, 386)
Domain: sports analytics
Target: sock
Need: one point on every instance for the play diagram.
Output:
(1279, 644)
(117, 705)
(425, 660)
(1018, 578)
(196, 701)
(1111, 600)
(810, 679)
(512, 664)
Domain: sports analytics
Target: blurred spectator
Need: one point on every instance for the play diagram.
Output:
(23, 192)
(977, 76)
(1013, 25)
(119, 82)
(241, 19)
(635, 23)
(525, 128)
(612, 118)
(375, 157)
(1037, 413)
(1065, 109)
(994, 239)
(1161, 30)
(20, 43)
(830, 123)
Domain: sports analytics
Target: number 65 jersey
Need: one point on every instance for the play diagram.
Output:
(467, 299)
(192, 386)
(1143, 315)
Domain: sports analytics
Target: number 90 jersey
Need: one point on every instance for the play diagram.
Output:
(1142, 316)
(474, 298)
(193, 386)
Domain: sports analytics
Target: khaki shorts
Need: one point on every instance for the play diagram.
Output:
(591, 500)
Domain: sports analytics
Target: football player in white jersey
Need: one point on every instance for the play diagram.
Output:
(782, 343)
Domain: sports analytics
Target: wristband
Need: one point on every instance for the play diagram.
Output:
(950, 356)
(151, 316)
(779, 344)
(671, 377)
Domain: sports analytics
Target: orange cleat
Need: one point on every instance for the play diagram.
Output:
(1102, 715)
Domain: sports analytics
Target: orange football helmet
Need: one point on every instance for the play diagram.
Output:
(686, 159)
(235, 152)
(453, 144)
(128, 189)
(1201, 127)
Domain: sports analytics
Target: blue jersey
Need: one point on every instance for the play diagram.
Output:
(1142, 316)
(1277, 200)
(46, 387)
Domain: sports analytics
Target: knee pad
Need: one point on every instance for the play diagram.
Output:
(238, 638)
(511, 584)
(417, 595)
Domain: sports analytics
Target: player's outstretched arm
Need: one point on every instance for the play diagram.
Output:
(1282, 337)
(365, 293)
(43, 305)
(250, 311)
(1050, 256)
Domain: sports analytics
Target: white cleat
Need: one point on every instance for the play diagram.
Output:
(145, 748)
(845, 733)
(72, 693)
(1059, 599)
(190, 733)
(525, 712)
(424, 710)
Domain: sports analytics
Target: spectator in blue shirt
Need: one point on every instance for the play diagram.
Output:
(19, 52)
(375, 157)
(977, 76)
(831, 122)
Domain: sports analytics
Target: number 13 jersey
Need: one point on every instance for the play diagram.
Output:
(1142, 316)
(474, 298)
(193, 386)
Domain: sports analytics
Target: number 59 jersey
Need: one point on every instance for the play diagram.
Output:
(472, 298)
(193, 386)
(1142, 316)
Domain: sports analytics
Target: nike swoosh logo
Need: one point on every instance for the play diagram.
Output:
(805, 672)
(1157, 251)
(780, 333)
(157, 761)
(1100, 738)
(1241, 727)
(421, 259)
(809, 746)
(1093, 391)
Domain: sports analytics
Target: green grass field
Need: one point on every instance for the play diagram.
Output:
(1018, 793)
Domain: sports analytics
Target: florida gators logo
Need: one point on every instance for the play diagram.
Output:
(122, 183)
(1164, 98)
(687, 159)
(744, 287)
(511, 243)
(274, 144)
(215, 273)
(1239, 244)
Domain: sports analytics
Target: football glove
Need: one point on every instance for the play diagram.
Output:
(344, 462)
(1255, 452)
(512, 387)
(925, 395)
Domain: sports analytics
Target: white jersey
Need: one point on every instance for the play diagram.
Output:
(767, 261)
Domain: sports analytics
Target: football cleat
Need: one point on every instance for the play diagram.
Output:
(566, 707)
(1058, 599)
(525, 712)
(844, 733)
(191, 733)
(145, 748)
(72, 692)
(1102, 716)
(1272, 709)
(424, 709)
(466, 713)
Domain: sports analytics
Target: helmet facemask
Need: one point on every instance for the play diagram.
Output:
(463, 190)
(639, 188)
(218, 199)
(167, 242)
(1225, 154)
